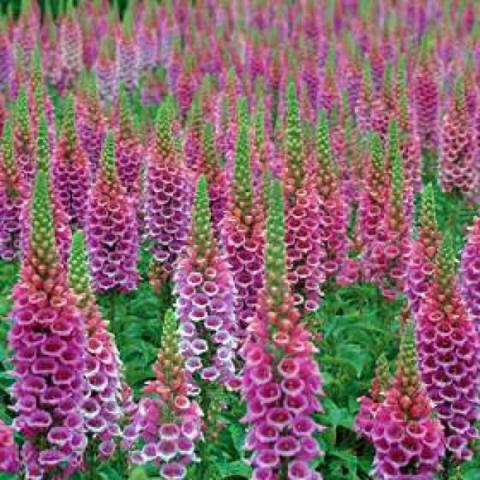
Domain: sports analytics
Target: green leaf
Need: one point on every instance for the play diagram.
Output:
(354, 356)
(238, 437)
(336, 416)
(108, 472)
(237, 468)
(138, 473)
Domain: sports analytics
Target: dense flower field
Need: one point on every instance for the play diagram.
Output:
(240, 240)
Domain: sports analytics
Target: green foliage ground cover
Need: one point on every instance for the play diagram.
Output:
(353, 327)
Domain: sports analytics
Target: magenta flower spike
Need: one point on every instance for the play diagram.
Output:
(70, 49)
(91, 124)
(24, 35)
(71, 171)
(373, 198)
(174, 63)
(263, 148)
(363, 112)
(421, 265)
(10, 198)
(111, 229)
(310, 78)
(329, 97)
(216, 178)
(457, 161)
(407, 438)
(49, 43)
(168, 423)
(193, 148)
(47, 338)
(410, 143)
(127, 53)
(471, 93)
(89, 23)
(24, 144)
(9, 455)
(369, 404)
(242, 232)
(6, 59)
(146, 40)
(106, 71)
(129, 150)
(448, 348)
(63, 234)
(353, 73)
(102, 408)
(470, 273)
(168, 197)
(185, 86)
(333, 209)
(206, 302)
(386, 260)
(426, 95)
(281, 381)
(305, 251)
(40, 103)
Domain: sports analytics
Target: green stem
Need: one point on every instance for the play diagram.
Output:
(91, 474)
(447, 467)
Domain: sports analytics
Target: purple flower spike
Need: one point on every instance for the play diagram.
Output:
(111, 230)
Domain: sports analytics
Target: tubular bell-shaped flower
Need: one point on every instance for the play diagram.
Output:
(470, 273)
(206, 301)
(421, 265)
(111, 229)
(9, 459)
(48, 342)
(242, 235)
(102, 408)
(369, 404)
(448, 348)
(408, 440)
(168, 423)
(168, 197)
(281, 381)
(10, 198)
(71, 172)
